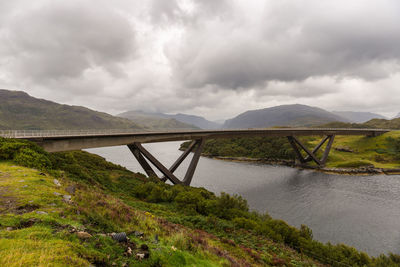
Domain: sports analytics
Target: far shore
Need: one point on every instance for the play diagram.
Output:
(291, 163)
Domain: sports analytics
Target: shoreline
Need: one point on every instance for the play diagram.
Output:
(291, 163)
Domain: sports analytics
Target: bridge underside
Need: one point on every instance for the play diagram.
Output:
(145, 158)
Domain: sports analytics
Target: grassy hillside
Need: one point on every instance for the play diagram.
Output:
(69, 221)
(374, 123)
(154, 122)
(18, 110)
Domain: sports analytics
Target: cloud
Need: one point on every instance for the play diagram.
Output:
(292, 41)
(215, 58)
(63, 40)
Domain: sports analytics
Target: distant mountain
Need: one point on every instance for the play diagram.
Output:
(397, 116)
(285, 115)
(18, 110)
(155, 121)
(358, 117)
(197, 121)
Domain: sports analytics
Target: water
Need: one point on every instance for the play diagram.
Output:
(360, 211)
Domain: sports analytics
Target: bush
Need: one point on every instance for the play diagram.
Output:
(29, 158)
(245, 223)
(24, 153)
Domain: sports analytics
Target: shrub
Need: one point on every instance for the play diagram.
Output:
(29, 158)
(245, 223)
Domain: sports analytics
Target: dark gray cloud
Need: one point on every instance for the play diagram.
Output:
(292, 41)
(211, 57)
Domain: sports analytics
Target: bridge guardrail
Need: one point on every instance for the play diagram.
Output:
(55, 133)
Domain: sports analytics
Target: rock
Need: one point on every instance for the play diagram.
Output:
(25, 186)
(138, 234)
(67, 197)
(83, 235)
(41, 212)
(21, 181)
(71, 189)
(129, 251)
(56, 182)
(344, 149)
(102, 235)
(140, 256)
(120, 237)
(57, 194)
(9, 228)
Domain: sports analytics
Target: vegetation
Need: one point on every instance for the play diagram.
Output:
(18, 110)
(347, 151)
(374, 123)
(260, 147)
(173, 225)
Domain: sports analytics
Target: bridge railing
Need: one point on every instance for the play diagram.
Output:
(55, 133)
(99, 132)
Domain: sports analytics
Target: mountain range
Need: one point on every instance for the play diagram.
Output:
(156, 121)
(358, 117)
(185, 119)
(18, 110)
(285, 115)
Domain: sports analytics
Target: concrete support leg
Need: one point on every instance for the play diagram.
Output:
(311, 155)
(193, 164)
(142, 161)
(141, 154)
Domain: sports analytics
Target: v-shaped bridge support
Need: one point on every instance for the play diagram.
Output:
(142, 156)
(311, 155)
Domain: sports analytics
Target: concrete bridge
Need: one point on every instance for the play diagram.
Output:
(66, 140)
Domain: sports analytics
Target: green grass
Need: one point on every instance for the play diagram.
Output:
(376, 151)
(194, 226)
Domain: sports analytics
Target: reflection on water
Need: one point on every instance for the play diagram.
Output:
(361, 211)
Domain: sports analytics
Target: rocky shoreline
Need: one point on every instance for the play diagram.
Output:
(291, 163)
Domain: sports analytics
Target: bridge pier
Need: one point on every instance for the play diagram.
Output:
(311, 155)
(143, 156)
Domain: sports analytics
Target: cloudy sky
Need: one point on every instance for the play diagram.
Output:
(215, 58)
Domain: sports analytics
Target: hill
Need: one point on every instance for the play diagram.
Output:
(152, 121)
(285, 115)
(76, 209)
(192, 120)
(393, 124)
(358, 117)
(198, 121)
(18, 110)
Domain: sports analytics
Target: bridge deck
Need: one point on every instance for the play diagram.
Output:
(54, 141)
